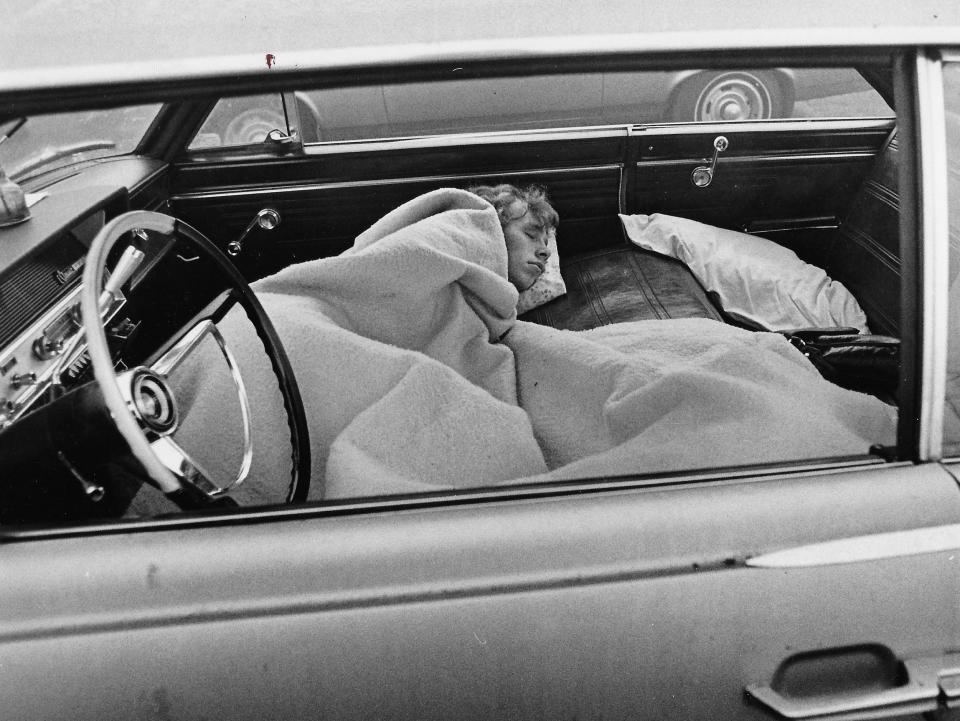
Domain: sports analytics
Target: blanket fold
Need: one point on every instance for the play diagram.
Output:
(667, 395)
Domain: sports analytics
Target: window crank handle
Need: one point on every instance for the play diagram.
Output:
(702, 175)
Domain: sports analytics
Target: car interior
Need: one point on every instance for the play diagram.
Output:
(824, 188)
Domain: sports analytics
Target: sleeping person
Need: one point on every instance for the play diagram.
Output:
(411, 382)
(527, 219)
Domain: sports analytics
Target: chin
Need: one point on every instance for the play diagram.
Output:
(525, 284)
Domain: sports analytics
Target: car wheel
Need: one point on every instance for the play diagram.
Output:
(251, 126)
(731, 96)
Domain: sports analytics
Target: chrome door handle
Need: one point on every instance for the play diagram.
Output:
(928, 684)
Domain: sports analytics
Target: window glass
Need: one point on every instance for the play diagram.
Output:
(241, 121)
(951, 96)
(553, 101)
(550, 101)
(47, 142)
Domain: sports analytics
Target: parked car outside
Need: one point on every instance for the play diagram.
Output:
(482, 105)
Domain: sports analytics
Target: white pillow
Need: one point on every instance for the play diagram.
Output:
(757, 281)
(549, 285)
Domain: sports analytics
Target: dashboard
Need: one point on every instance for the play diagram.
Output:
(42, 348)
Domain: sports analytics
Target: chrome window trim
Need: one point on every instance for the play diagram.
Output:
(779, 158)
(445, 140)
(934, 253)
(784, 125)
(501, 493)
(861, 549)
(539, 135)
(380, 182)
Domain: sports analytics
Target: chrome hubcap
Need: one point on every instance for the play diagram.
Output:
(734, 96)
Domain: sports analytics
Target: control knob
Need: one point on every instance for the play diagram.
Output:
(46, 348)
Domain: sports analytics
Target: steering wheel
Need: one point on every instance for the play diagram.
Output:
(142, 402)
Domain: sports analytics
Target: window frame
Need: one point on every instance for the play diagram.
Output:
(447, 139)
(917, 444)
(940, 217)
(909, 432)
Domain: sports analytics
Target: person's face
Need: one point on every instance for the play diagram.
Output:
(527, 250)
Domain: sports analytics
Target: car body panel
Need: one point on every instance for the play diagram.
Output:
(482, 608)
(281, 31)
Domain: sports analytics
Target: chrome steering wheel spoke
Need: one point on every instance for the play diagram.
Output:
(174, 357)
(185, 469)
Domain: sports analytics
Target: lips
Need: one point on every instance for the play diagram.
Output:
(538, 266)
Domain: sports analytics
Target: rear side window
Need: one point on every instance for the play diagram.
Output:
(242, 121)
(550, 101)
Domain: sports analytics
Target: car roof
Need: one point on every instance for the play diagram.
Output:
(71, 52)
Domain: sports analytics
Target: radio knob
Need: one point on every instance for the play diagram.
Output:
(46, 348)
(23, 379)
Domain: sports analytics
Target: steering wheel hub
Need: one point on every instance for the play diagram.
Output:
(153, 402)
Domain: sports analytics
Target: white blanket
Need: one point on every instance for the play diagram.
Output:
(407, 385)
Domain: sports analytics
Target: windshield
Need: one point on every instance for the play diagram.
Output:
(53, 141)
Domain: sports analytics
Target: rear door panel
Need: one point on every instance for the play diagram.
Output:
(790, 182)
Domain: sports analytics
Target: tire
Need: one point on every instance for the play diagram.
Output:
(730, 96)
(251, 126)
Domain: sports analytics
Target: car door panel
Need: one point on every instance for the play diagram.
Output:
(323, 219)
(780, 175)
(323, 212)
(788, 182)
(526, 606)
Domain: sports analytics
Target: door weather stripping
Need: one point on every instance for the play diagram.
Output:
(935, 248)
(874, 547)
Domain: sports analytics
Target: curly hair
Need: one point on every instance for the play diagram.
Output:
(533, 199)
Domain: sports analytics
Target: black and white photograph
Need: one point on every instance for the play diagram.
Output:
(451, 360)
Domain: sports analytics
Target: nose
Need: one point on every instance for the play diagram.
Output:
(543, 252)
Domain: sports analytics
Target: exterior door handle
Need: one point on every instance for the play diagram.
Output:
(801, 687)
